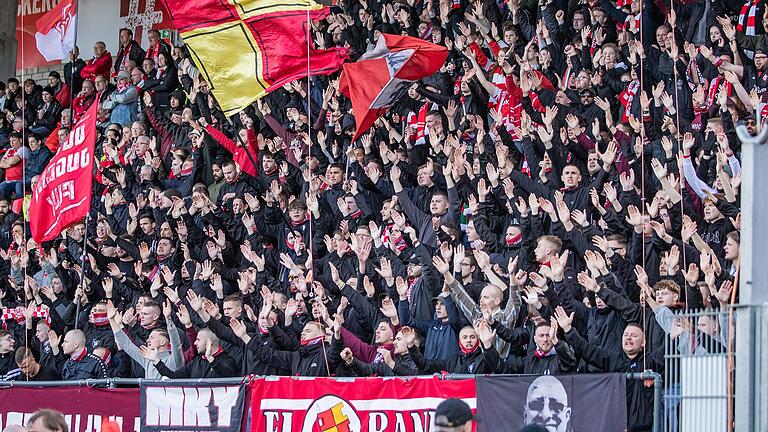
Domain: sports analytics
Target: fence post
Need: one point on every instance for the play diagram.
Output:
(658, 388)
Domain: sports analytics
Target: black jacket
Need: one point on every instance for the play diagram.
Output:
(222, 366)
(89, 367)
(562, 362)
(133, 51)
(316, 360)
(639, 397)
(479, 361)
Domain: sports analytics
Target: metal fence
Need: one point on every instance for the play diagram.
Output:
(698, 385)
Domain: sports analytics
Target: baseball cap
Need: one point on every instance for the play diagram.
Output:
(452, 412)
(54, 74)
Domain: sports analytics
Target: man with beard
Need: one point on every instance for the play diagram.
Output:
(61, 90)
(631, 358)
(6, 221)
(546, 404)
(218, 181)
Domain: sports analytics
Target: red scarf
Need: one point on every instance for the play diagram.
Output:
(467, 351)
(748, 22)
(626, 97)
(313, 341)
(99, 319)
(125, 53)
(539, 354)
(420, 120)
(380, 358)
(154, 52)
(107, 358)
(400, 243)
(78, 357)
(514, 240)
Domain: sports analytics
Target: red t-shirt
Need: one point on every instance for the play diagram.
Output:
(14, 172)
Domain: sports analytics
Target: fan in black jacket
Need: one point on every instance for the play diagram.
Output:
(630, 359)
(473, 359)
(212, 361)
(315, 357)
(552, 356)
(397, 362)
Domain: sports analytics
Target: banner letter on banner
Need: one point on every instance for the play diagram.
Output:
(193, 407)
(84, 408)
(594, 402)
(62, 194)
(354, 405)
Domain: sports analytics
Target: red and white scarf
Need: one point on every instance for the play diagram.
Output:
(420, 121)
(17, 314)
(154, 52)
(748, 21)
(626, 97)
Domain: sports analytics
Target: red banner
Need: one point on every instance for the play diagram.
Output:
(361, 404)
(62, 194)
(84, 408)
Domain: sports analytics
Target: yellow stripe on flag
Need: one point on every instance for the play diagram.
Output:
(228, 58)
(250, 8)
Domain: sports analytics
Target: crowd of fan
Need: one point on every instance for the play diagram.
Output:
(546, 203)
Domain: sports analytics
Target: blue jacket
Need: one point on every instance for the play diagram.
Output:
(36, 161)
(442, 336)
(125, 106)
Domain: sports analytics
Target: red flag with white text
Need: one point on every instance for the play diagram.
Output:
(56, 30)
(352, 405)
(381, 76)
(62, 195)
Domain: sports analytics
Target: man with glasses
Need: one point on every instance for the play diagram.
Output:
(7, 345)
(546, 404)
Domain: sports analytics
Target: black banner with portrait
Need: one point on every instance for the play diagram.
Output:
(563, 403)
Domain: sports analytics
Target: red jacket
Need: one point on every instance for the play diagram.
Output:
(64, 95)
(100, 66)
(239, 154)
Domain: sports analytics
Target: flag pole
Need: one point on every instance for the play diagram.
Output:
(76, 4)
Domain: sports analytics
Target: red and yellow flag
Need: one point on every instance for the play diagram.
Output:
(247, 48)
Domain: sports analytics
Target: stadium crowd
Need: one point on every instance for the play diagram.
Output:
(547, 203)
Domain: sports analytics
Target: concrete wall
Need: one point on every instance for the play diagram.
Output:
(7, 38)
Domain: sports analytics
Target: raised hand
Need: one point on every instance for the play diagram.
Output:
(563, 319)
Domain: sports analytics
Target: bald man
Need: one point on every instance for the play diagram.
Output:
(73, 360)
(547, 405)
(490, 303)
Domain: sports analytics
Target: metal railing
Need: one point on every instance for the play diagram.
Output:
(697, 375)
(132, 382)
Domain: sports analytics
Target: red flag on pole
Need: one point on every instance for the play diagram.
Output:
(381, 76)
(62, 194)
(55, 35)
